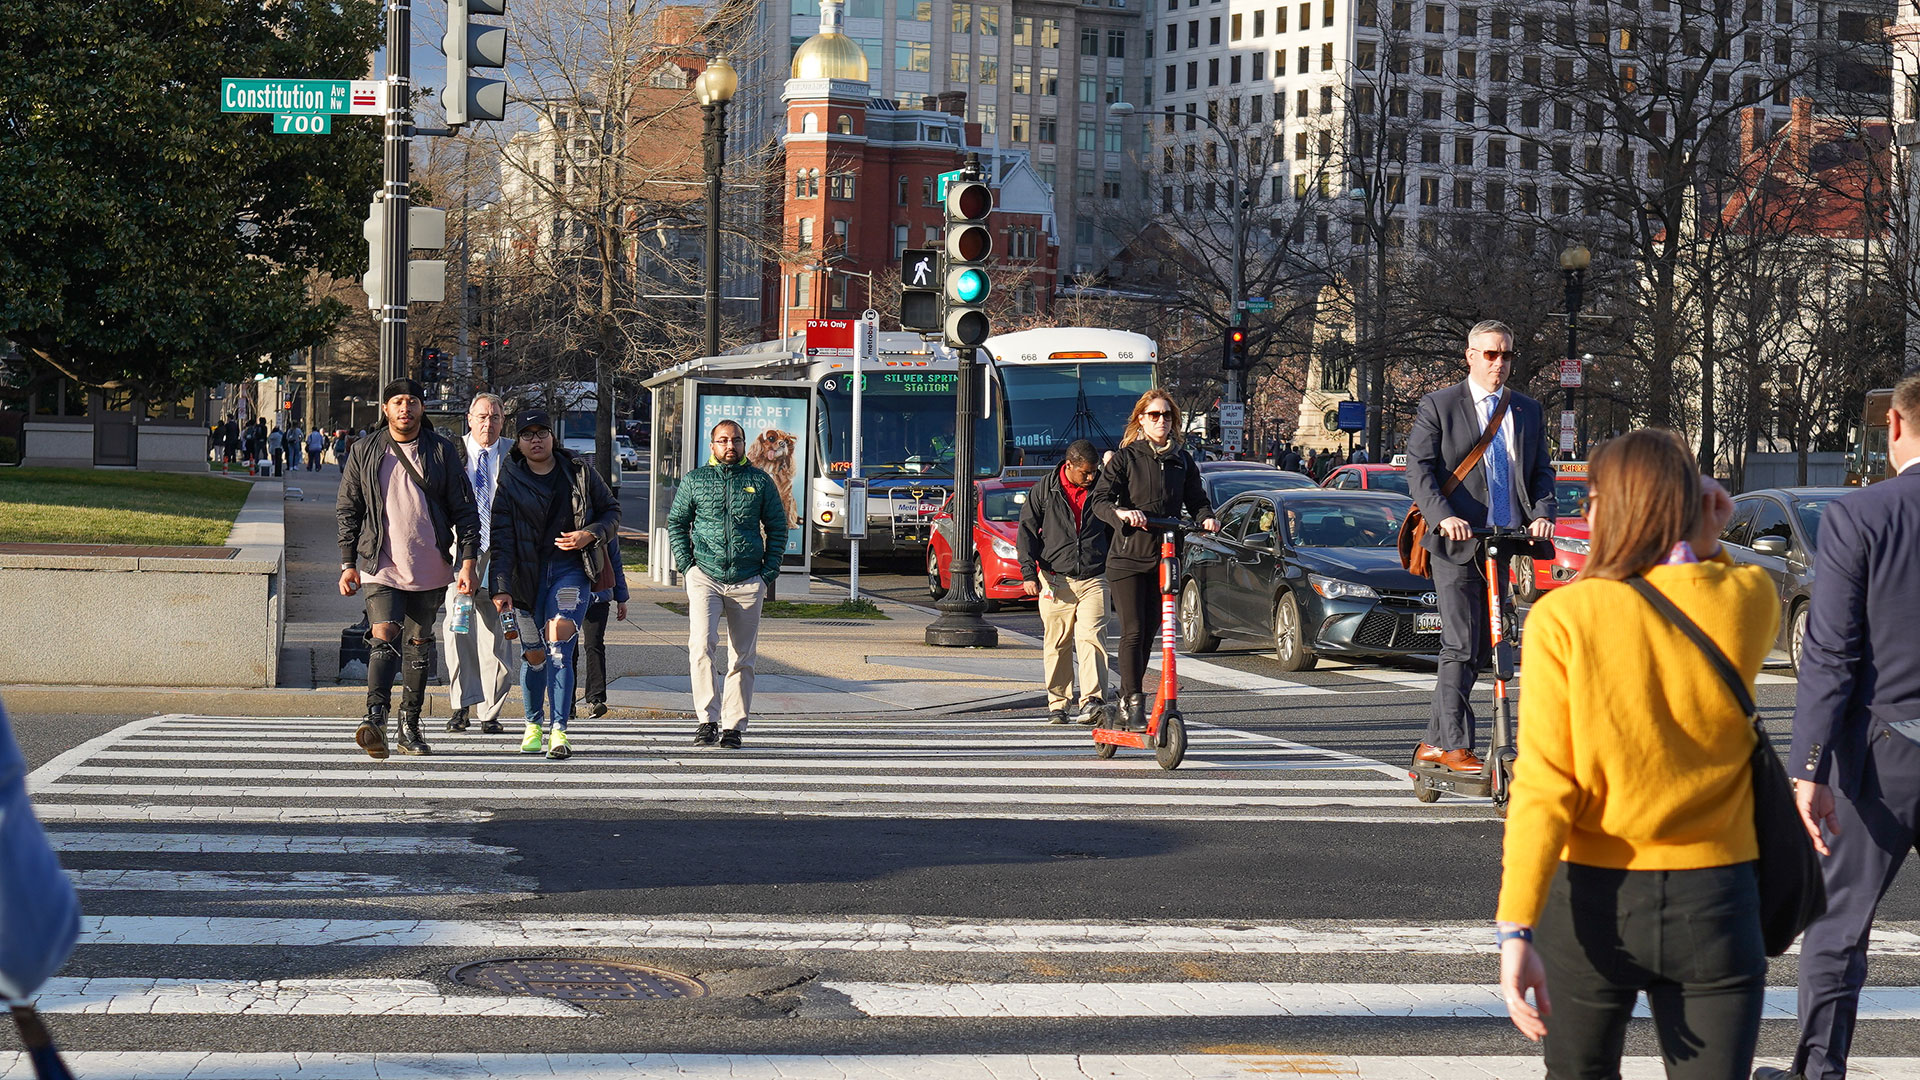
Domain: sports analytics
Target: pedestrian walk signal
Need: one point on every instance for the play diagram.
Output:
(920, 290)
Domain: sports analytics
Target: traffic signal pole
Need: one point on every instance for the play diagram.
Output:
(397, 189)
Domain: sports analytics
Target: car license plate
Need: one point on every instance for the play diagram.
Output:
(1427, 622)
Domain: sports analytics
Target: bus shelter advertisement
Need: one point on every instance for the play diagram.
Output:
(776, 430)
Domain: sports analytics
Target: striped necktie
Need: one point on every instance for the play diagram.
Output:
(483, 494)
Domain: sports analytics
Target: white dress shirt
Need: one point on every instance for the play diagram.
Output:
(1505, 439)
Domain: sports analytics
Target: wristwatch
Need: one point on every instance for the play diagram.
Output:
(1524, 933)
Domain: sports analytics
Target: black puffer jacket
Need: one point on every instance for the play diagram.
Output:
(521, 544)
(360, 508)
(1159, 485)
(1049, 539)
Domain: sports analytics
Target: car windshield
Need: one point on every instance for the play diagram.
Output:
(1387, 480)
(1338, 523)
(1571, 493)
(1809, 512)
(1002, 504)
(1222, 486)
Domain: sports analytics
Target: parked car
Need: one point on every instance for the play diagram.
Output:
(1571, 535)
(584, 446)
(1314, 573)
(996, 511)
(1367, 478)
(1225, 479)
(1779, 529)
(629, 454)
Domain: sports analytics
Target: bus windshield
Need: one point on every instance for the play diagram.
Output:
(1052, 404)
(908, 422)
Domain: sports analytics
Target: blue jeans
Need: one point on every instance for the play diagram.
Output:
(563, 594)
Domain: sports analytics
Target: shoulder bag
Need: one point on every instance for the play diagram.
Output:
(1414, 554)
(1792, 891)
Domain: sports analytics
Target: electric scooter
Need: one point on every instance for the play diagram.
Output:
(1166, 733)
(1498, 549)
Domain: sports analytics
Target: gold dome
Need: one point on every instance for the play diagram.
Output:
(829, 55)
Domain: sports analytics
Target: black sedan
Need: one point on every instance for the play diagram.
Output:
(1315, 573)
(1779, 529)
(1225, 479)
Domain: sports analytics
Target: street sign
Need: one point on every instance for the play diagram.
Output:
(1566, 420)
(302, 123)
(1257, 304)
(351, 97)
(1230, 439)
(1233, 414)
(830, 337)
(941, 181)
(1353, 416)
(1566, 442)
(1570, 371)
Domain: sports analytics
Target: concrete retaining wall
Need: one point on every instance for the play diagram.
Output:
(135, 620)
(162, 447)
(61, 445)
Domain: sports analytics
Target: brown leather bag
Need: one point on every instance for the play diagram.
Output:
(1414, 554)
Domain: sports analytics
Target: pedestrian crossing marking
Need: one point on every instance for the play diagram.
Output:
(282, 997)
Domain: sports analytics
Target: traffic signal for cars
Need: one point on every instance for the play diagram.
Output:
(470, 45)
(969, 246)
(1234, 354)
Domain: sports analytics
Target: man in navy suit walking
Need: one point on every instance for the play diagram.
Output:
(1511, 485)
(1855, 760)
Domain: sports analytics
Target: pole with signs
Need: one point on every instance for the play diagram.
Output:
(397, 188)
(866, 344)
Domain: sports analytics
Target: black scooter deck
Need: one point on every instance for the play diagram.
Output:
(1427, 776)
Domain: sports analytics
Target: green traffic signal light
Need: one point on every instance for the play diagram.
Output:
(970, 286)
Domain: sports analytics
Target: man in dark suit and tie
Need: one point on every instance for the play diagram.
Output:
(1855, 760)
(1511, 486)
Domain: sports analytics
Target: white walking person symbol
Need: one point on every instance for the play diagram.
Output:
(920, 271)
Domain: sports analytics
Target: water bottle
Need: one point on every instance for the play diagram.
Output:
(462, 622)
(509, 625)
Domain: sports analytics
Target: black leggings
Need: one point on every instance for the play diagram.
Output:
(1136, 599)
(593, 664)
(1689, 938)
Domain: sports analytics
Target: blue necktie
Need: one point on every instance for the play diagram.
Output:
(1499, 483)
(483, 493)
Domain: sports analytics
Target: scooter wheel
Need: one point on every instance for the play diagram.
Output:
(1173, 742)
(1104, 750)
(1425, 793)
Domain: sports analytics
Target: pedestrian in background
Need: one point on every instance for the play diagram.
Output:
(408, 521)
(296, 442)
(342, 445)
(1151, 475)
(481, 661)
(728, 531)
(1855, 763)
(1063, 559)
(554, 521)
(605, 601)
(1630, 842)
(277, 449)
(1292, 462)
(316, 445)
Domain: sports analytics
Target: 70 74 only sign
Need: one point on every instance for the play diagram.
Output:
(304, 106)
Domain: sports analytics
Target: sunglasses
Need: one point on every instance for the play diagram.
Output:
(1157, 415)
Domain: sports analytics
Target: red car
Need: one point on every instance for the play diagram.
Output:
(1570, 537)
(1367, 478)
(996, 521)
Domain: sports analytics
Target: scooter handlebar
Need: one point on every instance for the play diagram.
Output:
(1167, 523)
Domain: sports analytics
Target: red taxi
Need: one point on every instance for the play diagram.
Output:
(1531, 577)
(996, 522)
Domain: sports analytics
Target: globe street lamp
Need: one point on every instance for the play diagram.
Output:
(714, 88)
(1573, 266)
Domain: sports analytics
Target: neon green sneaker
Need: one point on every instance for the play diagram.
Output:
(560, 750)
(530, 742)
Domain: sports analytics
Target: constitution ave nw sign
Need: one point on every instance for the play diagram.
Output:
(304, 106)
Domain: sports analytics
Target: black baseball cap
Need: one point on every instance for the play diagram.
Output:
(530, 418)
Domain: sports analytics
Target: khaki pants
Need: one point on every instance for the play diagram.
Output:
(708, 603)
(482, 665)
(1077, 612)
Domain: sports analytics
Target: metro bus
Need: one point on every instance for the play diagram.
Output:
(1063, 383)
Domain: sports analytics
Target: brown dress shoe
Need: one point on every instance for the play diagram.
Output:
(1464, 761)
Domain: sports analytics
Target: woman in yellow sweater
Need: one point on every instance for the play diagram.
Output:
(1629, 840)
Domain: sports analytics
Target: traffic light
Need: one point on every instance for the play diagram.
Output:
(433, 366)
(426, 278)
(375, 230)
(969, 244)
(468, 97)
(1234, 357)
(920, 290)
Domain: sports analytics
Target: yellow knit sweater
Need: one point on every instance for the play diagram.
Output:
(1633, 753)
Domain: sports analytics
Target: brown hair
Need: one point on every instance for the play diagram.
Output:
(1646, 485)
(1133, 433)
(1906, 399)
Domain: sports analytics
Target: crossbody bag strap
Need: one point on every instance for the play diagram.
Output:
(407, 463)
(1461, 470)
(1688, 627)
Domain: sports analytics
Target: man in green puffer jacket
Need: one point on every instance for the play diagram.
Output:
(728, 530)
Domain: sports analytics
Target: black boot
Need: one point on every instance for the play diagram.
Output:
(372, 733)
(1136, 712)
(491, 727)
(458, 721)
(410, 741)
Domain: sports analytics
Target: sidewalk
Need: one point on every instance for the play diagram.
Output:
(807, 667)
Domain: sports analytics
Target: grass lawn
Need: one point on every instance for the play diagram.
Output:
(787, 609)
(92, 506)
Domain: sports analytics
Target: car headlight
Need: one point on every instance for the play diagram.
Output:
(1571, 546)
(1335, 589)
(1004, 549)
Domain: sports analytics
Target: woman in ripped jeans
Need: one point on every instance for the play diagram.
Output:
(553, 521)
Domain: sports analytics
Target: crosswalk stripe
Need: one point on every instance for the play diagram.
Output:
(162, 813)
(828, 765)
(253, 881)
(266, 844)
(282, 997)
(1185, 999)
(1223, 1065)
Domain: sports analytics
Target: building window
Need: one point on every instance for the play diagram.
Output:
(1115, 139)
(1089, 41)
(988, 117)
(913, 10)
(899, 240)
(1043, 130)
(1090, 88)
(1429, 188)
(1326, 56)
(904, 185)
(1213, 30)
(840, 186)
(804, 241)
(1436, 19)
(1023, 78)
(1087, 136)
(1019, 126)
(1050, 173)
(1326, 101)
(1110, 185)
(989, 23)
(837, 291)
(802, 289)
(1049, 33)
(844, 125)
(1463, 194)
(1260, 23)
(989, 71)
(1116, 43)
(1023, 29)
(1213, 71)
(1233, 68)
(960, 70)
(963, 18)
(1193, 74)
(1083, 183)
(1049, 81)
(1259, 67)
(1114, 92)
(913, 56)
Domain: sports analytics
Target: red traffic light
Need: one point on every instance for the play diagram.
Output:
(1238, 336)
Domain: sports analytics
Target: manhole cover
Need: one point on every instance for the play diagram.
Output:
(578, 980)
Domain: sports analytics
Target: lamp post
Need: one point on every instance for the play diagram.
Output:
(1573, 266)
(714, 88)
(1237, 315)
